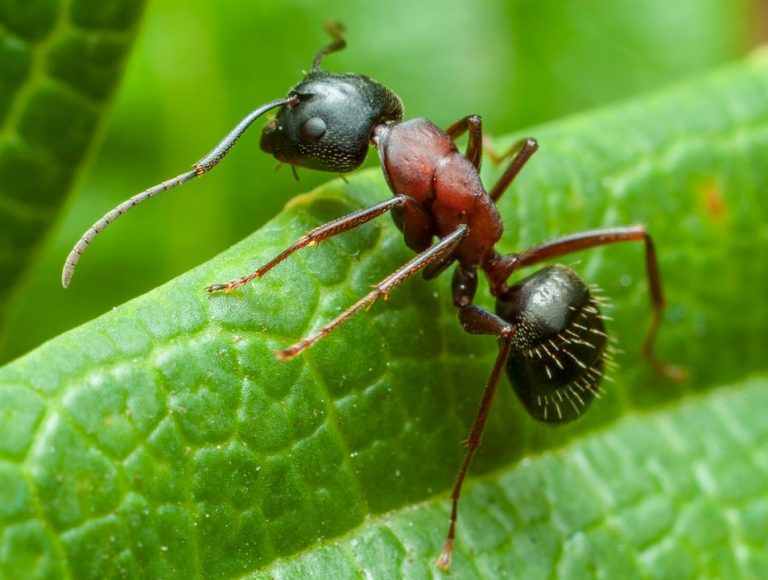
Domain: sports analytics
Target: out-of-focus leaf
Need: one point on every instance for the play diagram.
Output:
(573, 55)
(165, 440)
(59, 63)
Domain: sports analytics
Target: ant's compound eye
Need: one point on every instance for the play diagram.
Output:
(313, 129)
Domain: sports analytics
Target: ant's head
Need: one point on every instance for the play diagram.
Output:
(328, 119)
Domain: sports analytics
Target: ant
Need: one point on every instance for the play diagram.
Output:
(552, 340)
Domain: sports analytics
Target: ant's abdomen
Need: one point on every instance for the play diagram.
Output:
(559, 348)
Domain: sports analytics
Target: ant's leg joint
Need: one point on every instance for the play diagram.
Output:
(498, 269)
(464, 286)
(477, 320)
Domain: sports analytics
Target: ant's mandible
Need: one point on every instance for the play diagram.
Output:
(552, 340)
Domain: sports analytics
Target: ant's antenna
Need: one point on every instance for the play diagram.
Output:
(336, 31)
(202, 166)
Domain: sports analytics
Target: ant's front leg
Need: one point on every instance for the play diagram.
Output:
(475, 320)
(317, 235)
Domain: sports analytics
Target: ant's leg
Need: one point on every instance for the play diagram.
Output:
(476, 320)
(436, 268)
(473, 123)
(499, 270)
(416, 224)
(473, 442)
(442, 248)
(522, 151)
(317, 235)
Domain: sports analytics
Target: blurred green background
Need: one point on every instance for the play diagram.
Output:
(200, 66)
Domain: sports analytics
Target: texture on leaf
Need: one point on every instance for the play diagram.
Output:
(164, 439)
(59, 62)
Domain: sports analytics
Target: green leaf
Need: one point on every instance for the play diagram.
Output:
(165, 440)
(679, 493)
(59, 63)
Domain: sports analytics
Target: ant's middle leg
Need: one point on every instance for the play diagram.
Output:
(475, 320)
(474, 124)
(499, 269)
(520, 152)
(317, 235)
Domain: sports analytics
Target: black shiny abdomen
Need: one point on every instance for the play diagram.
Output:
(558, 352)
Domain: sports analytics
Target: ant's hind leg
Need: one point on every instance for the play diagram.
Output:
(473, 443)
(499, 270)
(475, 320)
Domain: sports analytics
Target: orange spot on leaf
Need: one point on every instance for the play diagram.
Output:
(712, 196)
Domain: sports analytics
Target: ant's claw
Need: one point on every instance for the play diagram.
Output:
(670, 372)
(674, 373)
(218, 288)
(287, 354)
(444, 561)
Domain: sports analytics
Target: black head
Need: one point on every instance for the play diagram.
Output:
(328, 123)
(558, 353)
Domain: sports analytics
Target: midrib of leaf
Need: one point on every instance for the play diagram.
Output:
(173, 366)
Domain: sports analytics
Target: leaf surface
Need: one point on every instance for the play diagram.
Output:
(679, 493)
